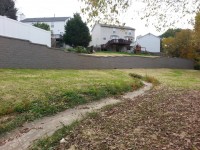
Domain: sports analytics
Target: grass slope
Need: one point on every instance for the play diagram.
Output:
(29, 94)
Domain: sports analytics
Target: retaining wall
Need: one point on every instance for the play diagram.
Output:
(15, 53)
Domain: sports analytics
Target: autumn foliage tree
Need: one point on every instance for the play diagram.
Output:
(7, 8)
(197, 40)
(181, 45)
(197, 32)
(161, 13)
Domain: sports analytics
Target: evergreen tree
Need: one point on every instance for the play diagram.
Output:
(170, 33)
(77, 32)
(42, 26)
(7, 8)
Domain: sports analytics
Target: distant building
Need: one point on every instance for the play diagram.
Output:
(148, 42)
(57, 25)
(112, 37)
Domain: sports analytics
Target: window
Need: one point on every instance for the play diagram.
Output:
(114, 37)
(104, 38)
(114, 30)
(52, 25)
(129, 38)
(129, 33)
(126, 38)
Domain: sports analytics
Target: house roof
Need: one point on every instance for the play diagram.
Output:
(114, 26)
(46, 19)
(147, 35)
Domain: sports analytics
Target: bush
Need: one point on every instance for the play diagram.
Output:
(78, 49)
(81, 49)
(71, 50)
(197, 63)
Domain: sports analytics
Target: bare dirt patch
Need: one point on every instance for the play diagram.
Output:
(165, 118)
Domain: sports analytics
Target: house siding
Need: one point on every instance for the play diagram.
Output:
(149, 42)
(96, 36)
(100, 32)
(58, 28)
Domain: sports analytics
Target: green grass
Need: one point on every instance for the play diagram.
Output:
(26, 95)
(110, 53)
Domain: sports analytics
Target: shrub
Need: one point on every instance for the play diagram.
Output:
(134, 75)
(197, 63)
(81, 49)
(71, 50)
(152, 80)
(146, 78)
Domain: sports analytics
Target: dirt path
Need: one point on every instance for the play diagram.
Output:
(22, 138)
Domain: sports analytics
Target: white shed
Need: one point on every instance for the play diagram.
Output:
(149, 42)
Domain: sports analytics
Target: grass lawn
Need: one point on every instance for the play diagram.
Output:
(31, 94)
(165, 118)
(173, 78)
(110, 53)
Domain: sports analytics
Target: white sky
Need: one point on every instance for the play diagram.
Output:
(66, 8)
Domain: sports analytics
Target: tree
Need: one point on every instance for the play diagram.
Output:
(181, 45)
(169, 47)
(7, 8)
(197, 41)
(42, 26)
(184, 43)
(77, 32)
(197, 32)
(162, 13)
(170, 33)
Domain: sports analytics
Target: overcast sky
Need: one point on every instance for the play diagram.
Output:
(60, 8)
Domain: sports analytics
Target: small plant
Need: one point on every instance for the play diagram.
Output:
(152, 80)
(134, 75)
(146, 78)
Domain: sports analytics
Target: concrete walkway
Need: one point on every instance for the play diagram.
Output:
(22, 138)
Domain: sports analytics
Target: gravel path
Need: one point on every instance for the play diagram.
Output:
(22, 138)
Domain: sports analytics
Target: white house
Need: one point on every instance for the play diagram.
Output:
(118, 36)
(57, 24)
(15, 29)
(149, 42)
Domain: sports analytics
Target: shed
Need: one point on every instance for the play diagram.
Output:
(149, 42)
